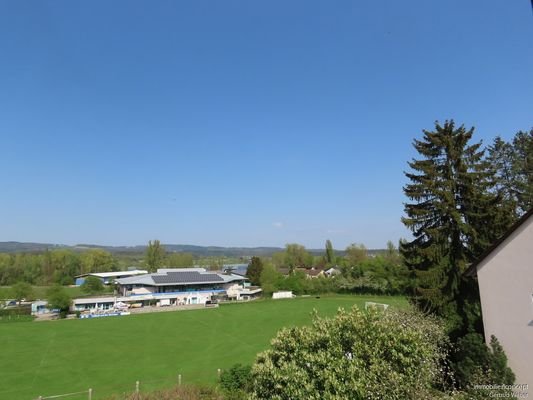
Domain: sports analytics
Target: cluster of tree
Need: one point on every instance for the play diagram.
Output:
(359, 273)
(512, 166)
(54, 266)
(462, 198)
(61, 266)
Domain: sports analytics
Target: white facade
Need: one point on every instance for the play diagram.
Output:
(505, 277)
(282, 295)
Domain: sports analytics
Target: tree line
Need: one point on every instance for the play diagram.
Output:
(61, 266)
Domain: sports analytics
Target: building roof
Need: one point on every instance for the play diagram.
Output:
(194, 269)
(472, 270)
(182, 276)
(114, 273)
(186, 277)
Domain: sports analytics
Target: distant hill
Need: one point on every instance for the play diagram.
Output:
(202, 251)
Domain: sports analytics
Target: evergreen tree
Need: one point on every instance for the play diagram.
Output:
(512, 165)
(253, 272)
(523, 169)
(450, 214)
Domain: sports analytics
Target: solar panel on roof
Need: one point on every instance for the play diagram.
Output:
(186, 277)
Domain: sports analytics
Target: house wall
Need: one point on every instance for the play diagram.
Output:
(233, 289)
(144, 290)
(506, 287)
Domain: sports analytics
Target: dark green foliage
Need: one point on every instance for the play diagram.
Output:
(512, 163)
(92, 285)
(453, 216)
(254, 270)
(476, 363)
(237, 378)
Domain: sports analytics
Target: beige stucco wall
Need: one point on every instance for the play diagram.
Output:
(506, 286)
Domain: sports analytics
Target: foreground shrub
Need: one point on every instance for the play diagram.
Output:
(475, 363)
(355, 355)
(236, 381)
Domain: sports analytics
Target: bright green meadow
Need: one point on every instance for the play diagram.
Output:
(110, 354)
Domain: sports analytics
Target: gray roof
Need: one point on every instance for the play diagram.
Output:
(186, 277)
(176, 277)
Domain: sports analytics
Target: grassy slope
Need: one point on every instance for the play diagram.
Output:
(110, 354)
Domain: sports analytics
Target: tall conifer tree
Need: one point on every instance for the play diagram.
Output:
(450, 215)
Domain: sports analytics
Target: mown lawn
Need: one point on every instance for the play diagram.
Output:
(110, 354)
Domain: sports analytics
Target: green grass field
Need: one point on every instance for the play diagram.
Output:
(110, 354)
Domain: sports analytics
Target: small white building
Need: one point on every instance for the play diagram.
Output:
(287, 294)
(108, 278)
(505, 277)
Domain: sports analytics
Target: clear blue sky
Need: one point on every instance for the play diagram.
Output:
(242, 123)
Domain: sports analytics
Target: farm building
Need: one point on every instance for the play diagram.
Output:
(109, 277)
(505, 277)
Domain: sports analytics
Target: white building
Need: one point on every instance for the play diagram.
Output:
(183, 286)
(505, 276)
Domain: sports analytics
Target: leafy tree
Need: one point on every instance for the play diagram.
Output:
(22, 290)
(453, 217)
(270, 279)
(296, 256)
(97, 260)
(330, 253)
(355, 253)
(155, 253)
(92, 285)
(66, 265)
(255, 268)
(58, 298)
(356, 355)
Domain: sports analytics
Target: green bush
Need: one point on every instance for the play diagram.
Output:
(356, 355)
(236, 379)
(475, 363)
(58, 298)
(20, 310)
